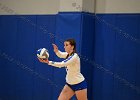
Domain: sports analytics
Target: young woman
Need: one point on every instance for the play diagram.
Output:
(75, 81)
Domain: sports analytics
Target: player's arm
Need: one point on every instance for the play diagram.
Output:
(58, 52)
(61, 54)
(64, 63)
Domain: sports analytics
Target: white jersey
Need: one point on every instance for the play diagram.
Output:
(72, 64)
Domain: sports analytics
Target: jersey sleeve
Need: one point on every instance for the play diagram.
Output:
(61, 54)
(65, 62)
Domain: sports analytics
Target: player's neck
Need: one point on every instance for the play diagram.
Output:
(70, 52)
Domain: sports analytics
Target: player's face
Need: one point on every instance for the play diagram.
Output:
(68, 48)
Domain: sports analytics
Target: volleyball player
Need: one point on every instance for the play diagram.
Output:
(75, 81)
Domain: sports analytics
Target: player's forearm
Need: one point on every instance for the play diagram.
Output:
(56, 64)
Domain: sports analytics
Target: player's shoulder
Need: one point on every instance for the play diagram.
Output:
(76, 55)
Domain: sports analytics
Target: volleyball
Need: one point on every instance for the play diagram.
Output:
(42, 53)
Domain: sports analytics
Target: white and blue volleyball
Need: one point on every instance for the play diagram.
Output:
(42, 53)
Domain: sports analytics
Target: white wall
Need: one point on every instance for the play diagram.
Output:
(117, 6)
(77, 5)
(88, 6)
(29, 6)
(70, 5)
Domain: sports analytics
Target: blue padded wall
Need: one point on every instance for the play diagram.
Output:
(43, 87)
(22, 76)
(119, 54)
(109, 56)
(87, 47)
(7, 71)
(24, 53)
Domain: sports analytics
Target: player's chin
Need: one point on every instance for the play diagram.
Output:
(66, 50)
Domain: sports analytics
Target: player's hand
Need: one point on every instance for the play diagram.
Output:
(43, 60)
(55, 48)
(46, 61)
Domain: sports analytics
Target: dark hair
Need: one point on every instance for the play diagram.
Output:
(72, 43)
